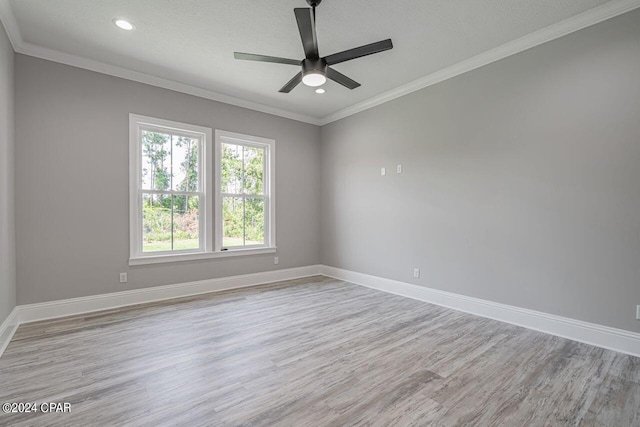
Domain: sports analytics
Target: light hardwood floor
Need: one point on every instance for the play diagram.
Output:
(311, 352)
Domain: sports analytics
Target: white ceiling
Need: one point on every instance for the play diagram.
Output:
(192, 41)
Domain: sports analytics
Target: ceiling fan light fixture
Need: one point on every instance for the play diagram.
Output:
(314, 79)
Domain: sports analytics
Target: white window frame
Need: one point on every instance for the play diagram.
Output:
(269, 188)
(137, 123)
(207, 212)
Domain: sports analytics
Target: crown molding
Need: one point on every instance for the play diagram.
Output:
(20, 46)
(10, 24)
(552, 32)
(30, 49)
(586, 19)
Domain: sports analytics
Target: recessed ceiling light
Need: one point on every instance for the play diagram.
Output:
(124, 24)
(320, 90)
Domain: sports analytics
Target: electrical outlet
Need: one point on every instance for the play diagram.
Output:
(123, 277)
(416, 272)
(638, 312)
(276, 261)
(383, 171)
(399, 169)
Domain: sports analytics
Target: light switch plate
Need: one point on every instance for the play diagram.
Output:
(383, 171)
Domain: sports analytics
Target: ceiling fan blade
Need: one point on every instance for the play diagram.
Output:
(295, 81)
(342, 79)
(358, 52)
(307, 26)
(263, 58)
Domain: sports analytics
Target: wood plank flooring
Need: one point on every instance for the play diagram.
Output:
(310, 352)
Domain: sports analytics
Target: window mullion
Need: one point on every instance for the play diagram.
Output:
(171, 187)
(265, 201)
(172, 207)
(244, 201)
(140, 218)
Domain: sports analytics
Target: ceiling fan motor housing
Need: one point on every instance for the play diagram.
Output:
(313, 3)
(310, 65)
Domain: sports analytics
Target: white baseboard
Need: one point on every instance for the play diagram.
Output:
(62, 308)
(589, 333)
(8, 328)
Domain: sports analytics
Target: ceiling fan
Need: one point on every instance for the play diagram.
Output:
(316, 70)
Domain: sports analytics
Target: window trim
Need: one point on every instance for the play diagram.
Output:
(136, 121)
(268, 186)
(194, 256)
(208, 162)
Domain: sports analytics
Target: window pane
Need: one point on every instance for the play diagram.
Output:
(156, 160)
(184, 159)
(156, 222)
(231, 171)
(253, 170)
(186, 224)
(232, 222)
(254, 221)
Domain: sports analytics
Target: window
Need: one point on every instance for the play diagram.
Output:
(172, 208)
(168, 187)
(244, 191)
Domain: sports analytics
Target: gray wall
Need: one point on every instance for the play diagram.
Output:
(7, 224)
(72, 182)
(521, 181)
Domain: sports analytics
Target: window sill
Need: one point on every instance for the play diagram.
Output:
(161, 259)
